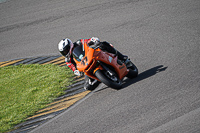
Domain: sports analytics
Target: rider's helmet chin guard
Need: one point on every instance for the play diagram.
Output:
(65, 47)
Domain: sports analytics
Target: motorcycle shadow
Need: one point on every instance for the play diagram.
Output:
(144, 75)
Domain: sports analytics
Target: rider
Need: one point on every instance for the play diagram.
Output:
(66, 47)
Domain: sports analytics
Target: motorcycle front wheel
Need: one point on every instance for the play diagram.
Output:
(113, 82)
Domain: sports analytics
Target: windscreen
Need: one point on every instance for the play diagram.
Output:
(78, 53)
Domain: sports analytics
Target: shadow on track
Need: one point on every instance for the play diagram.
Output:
(144, 75)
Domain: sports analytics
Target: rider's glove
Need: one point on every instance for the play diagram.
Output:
(76, 72)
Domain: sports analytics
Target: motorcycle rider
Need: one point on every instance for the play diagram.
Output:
(66, 47)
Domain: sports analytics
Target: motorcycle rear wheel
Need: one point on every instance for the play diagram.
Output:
(108, 81)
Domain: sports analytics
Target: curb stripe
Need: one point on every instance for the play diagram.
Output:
(4, 62)
(62, 105)
(66, 99)
(48, 59)
(59, 62)
(36, 60)
(30, 61)
(62, 64)
(24, 61)
(11, 62)
(57, 59)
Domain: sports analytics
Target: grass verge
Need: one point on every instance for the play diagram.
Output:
(25, 89)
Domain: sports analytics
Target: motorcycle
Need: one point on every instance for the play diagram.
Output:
(103, 66)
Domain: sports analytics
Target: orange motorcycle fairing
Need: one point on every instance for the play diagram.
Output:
(89, 60)
(111, 60)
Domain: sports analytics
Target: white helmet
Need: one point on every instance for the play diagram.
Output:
(65, 47)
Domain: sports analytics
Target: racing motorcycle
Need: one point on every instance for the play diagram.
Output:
(103, 66)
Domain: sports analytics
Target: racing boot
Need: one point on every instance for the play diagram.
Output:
(121, 56)
(124, 59)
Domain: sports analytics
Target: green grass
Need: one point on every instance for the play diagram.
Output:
(25, 89)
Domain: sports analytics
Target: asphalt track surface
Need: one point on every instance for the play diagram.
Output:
(162, 37)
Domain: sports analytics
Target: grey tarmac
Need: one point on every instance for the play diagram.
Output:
(160, 36)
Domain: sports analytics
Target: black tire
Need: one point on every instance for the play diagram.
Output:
(107, 81)
(87, 86)
(133, 71)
